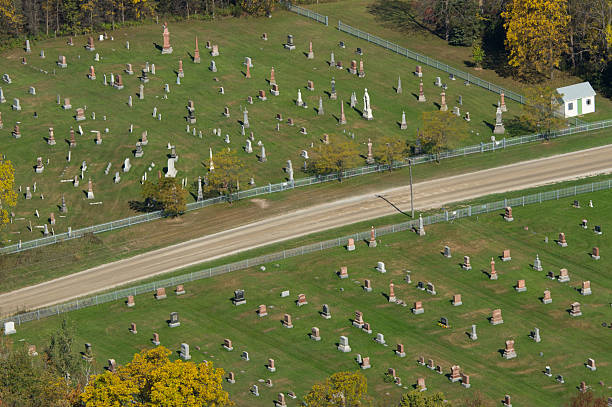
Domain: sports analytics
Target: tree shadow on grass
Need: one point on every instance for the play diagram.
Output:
(398, 14)
(145, 206)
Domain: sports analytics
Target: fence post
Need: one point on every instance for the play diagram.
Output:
(470, 210)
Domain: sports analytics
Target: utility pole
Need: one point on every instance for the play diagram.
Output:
(411, 191)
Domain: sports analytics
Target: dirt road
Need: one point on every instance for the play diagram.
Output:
(428, 194)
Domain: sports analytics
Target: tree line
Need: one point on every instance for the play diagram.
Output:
(529, 39)
(44, 18)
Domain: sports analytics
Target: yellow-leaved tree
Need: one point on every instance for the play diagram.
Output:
(340, 389)
(10, 18)
(389, 150)
(536, 35)
(334, 157)
(8, 196)
(151, 379)
(227, 173)
(441, 130)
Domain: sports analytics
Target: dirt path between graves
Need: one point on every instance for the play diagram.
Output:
(428, 194)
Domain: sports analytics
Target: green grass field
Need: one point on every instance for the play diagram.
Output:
(207, 315)
(237, 38)
(363, 15)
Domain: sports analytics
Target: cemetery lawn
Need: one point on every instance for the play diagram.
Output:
(35, 266)
(360, 14)
(207, 315)
(237, 38)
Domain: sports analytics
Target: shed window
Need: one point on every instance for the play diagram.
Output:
(588, 102)
(570, 106)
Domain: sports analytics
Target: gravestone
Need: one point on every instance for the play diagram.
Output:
(399, 351)
(547, 299)
(466, 263)
(586, 288)
(160, 293)
(344, 344)
(315, 334)
(185, 352)
(239, 297)
(499, 126)
(535, 335)
(166, 47)
(9, 328)
(496, 317)
(537, 264)
(473, 335)
(575, 309)
(174, 320)
(447, 252)
(287, 323)
(326, 313)
(418, 308)
(455, 374)
(290, 45)
(509, 351)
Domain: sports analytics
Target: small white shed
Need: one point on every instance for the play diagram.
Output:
(577, 99)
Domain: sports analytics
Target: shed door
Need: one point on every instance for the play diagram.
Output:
(579, 103)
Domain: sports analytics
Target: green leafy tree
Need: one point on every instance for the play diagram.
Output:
(61, 353)
(416, 398)
(344, 389)
(26, 381)
(389, 150)
(166, 193)
(229, 168)
(541, 110)
(334, 157)
(478, 55)
(441, 130)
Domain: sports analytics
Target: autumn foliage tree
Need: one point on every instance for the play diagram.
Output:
(229, 168)
(541, 110)
(536, 35)
(152, 380)
(8, 196)
(334, 157)
(441, 130)
(257, 7)
(166, 193)
(389, 150)
(344, 389)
